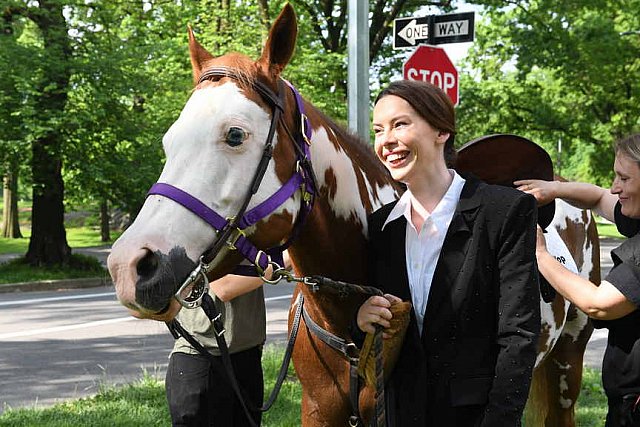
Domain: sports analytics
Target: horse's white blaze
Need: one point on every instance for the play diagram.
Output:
(200, 162)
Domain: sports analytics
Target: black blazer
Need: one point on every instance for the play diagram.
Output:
(472, 365)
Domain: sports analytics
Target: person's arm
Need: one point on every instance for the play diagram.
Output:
(517, 316)
(579, 194)
(231, 286)
(604, 302)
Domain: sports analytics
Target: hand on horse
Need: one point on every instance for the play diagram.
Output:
(544, 191)
(375, 310)
(541, 242)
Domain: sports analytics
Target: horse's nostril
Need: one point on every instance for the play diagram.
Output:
(148, 265)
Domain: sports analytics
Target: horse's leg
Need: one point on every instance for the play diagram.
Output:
(538, 401)
(325, 400)
(557, 380)
(324, 378)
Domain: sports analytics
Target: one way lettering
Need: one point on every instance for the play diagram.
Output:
(452, 28)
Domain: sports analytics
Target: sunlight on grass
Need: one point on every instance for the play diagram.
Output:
(77, 237)
(143, 403)
(80, 266)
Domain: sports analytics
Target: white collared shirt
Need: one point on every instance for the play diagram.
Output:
(422, 247)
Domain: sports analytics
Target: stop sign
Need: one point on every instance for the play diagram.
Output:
(431, 64)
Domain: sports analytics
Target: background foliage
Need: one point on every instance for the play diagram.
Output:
(556, 72)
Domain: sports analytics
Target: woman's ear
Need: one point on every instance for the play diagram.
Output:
(443, 137)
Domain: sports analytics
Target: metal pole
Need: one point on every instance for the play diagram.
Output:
(358, 67)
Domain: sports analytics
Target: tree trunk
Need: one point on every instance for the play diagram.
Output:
(10, 221)
(104, 222)
(48, 244)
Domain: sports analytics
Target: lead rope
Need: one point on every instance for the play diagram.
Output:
(380, 415)
(346, 348)
(337, 343)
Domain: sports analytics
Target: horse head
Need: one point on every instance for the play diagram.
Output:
(238, 113)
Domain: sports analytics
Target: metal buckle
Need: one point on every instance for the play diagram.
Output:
(313, 286)
(303, 128)
(198, 278)
(233, 239)
(352, 352)
(213, 323)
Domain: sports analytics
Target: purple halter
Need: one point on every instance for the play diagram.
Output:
(231, 230)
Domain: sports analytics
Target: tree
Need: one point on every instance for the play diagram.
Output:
(11, 126)
(557, 71)
(48, 243)
(10, 223)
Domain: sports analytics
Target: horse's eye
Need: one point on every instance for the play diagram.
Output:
(236, 136)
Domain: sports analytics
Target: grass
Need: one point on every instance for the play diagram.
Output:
(592, 404)
(80, 266)
(143, 403)
(77, 237)
(80, 234)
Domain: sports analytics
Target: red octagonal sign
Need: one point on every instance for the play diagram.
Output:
(431, 64)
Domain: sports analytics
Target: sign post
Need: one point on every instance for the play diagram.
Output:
(432, 64)
(358, 68)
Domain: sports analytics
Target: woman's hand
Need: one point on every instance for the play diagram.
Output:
(544, 191)
(541, 243)
(374, 311)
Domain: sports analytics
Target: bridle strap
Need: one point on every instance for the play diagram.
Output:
(303, 178)
(210, 254)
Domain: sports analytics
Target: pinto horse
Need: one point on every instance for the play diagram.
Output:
(213, 151)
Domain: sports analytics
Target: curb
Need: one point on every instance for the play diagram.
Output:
(55, 285)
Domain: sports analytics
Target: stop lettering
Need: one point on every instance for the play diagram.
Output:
(431, 64)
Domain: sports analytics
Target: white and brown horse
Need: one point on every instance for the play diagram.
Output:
(213, 151)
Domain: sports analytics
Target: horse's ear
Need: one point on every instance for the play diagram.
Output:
(281, 42)
(199, 56)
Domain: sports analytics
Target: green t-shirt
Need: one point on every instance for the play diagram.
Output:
(245, 324)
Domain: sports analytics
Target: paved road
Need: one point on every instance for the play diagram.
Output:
(62, 345)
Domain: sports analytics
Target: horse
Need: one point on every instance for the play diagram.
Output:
(219, 165)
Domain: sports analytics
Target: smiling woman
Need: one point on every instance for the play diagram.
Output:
(462, 252)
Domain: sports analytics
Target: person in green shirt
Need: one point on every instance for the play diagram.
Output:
(198, 390)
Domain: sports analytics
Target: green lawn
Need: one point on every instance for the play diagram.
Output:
(80, 266)
(143, 403)
(608, 230)
(77, 237)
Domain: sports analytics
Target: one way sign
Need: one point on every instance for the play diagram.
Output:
(410, 32)
(433, 29)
